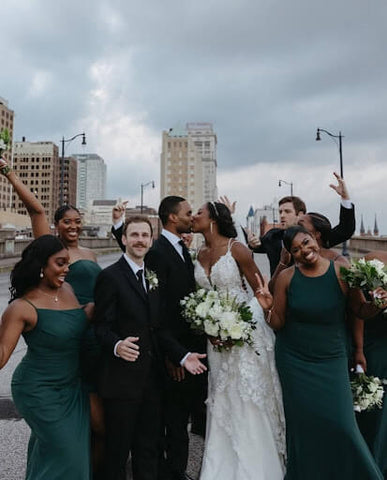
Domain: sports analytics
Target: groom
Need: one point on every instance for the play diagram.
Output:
(127, 317)
(185, 393)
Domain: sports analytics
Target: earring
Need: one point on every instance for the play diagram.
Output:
(41, 275)
(211, 227)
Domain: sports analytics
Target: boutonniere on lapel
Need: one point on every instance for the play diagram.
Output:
(152, 279)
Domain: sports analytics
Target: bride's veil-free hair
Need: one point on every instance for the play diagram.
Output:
(220, 214)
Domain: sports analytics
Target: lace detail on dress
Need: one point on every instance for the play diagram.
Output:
(242, 374)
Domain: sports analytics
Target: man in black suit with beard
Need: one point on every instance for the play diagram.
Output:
(127, 317)
(185, 393)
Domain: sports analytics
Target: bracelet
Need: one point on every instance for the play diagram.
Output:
(5, 170)
(269, 312)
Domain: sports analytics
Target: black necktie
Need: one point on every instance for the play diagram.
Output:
(186, 255)
(140, 280)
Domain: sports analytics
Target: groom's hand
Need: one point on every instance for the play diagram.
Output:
(128, 350)
(193, 364)
(176, 373)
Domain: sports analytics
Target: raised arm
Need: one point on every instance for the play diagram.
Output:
(347, 224)
(35, 209)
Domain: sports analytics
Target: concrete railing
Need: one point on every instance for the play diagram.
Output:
(367, 244)
(10, 247)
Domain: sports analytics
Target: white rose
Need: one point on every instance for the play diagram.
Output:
(236, 331)
(202, 310)
(211, 328)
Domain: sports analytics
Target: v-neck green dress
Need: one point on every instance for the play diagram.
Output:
(48, 393)
(323, 439)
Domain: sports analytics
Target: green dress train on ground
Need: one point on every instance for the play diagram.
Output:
(48, 393)
(373, 424)
(82, 276)
(323, 439)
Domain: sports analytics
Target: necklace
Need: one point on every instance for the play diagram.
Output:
(53, 297)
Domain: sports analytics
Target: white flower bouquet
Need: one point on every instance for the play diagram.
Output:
(220, 316)
(5, 140)
(367, 391)
(366, 274)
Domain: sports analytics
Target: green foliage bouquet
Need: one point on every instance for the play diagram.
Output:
(365, 274)
(220, 316)
(367, 391)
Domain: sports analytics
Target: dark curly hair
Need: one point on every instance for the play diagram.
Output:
(222, 217)
(26, 273)
(291, 232)
(59, 212)
(323, 225)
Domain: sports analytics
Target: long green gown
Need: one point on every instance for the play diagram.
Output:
(373, 424)
(82, 276)
(47, 391)
(323, 439)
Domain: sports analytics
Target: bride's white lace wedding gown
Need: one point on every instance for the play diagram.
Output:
(245, 436)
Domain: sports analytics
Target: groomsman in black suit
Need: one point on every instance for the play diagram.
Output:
(185, 393)
(127, 322)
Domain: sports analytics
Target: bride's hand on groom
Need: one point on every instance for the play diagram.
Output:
(262, 293)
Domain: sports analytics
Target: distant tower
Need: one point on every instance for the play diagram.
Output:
(362, 229)
(250, 219)
(376, 229)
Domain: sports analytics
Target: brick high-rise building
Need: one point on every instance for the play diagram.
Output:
(37, 164)
(6, 122)
(70, 176)
(188, 163)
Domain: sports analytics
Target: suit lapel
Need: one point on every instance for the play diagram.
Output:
(131, 277)
(172, 250)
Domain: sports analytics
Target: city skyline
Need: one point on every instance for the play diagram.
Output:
(266, 75)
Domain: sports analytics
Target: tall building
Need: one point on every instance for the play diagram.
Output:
(70, 175)
(188, 163)
(91, 179)
(205, 141)
(37, 164)
(6, 122)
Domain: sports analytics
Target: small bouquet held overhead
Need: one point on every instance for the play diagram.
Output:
(367, 391)
(366, 274)
(220, 316)
(5, 140)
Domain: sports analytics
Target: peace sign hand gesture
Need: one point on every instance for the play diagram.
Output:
(262, 293)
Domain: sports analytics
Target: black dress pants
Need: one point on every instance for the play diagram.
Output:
(133, 426)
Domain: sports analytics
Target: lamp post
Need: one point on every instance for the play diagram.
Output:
(344, 250)
(62, 165)
(339, 136)
(280, 182)
(143, 185)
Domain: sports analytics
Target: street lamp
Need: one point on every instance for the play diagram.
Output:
(344, 250)
(62, 165)
(143, 185)
(339, 136)
(280, 182)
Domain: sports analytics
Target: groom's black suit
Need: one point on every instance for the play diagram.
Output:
(187, 397)
(131, 390)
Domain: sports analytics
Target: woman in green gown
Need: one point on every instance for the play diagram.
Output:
(308, 310)
(82, 277)
(370, 352)
(46, 385)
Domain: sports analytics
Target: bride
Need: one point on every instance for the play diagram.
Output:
(245, 436)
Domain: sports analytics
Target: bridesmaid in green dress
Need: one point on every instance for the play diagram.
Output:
(82, 276)
(371, 352)
(46, 385)
(308, 310)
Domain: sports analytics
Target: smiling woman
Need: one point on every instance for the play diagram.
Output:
(308, 310)
(46, 387)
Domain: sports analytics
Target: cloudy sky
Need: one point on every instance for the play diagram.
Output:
(266, 73)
